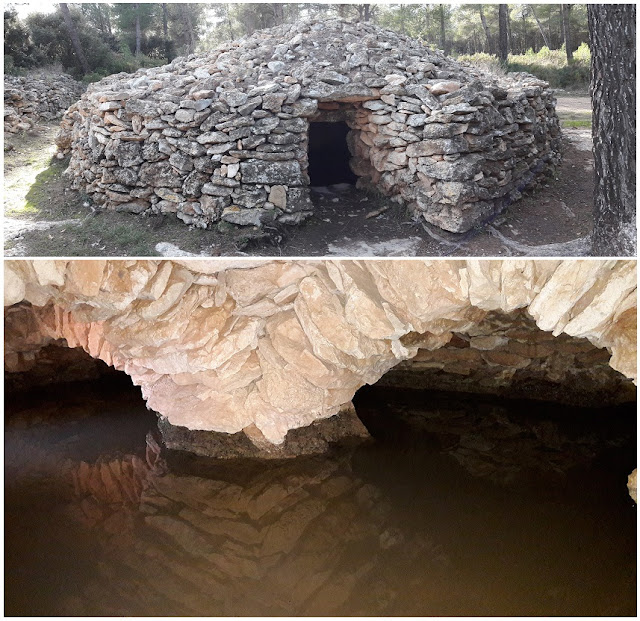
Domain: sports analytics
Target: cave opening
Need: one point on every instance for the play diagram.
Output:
(506, 400)
(329, 154)
(67, 392)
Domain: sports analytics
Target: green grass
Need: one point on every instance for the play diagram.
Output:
(576, 124)
(95, 233)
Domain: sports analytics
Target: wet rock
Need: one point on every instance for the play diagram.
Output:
(344, 427)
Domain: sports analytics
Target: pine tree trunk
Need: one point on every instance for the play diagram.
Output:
(503, 41)
(566, 29)
(168, 47)
(187, 20)
(485, 26)
(108, 19)
(229, 22)
(443, 34)
(612, 35)
(138, 33)
(278, 14)
(542, 32)
(75, 39)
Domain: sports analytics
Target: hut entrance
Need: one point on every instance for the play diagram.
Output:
(329, 154)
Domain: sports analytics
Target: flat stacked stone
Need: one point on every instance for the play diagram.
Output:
(224, 136)
(30, 100)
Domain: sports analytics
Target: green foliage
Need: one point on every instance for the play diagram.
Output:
(19, 50)
(582, 54)
(488, 62)
(546, 64)
(107, 36)
(108, 32)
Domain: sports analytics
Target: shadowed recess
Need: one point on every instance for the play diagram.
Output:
(329, 155)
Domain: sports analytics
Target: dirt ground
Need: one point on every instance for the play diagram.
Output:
(43, 217)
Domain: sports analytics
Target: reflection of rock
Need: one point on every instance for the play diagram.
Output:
(373, 531)
(498, 440)
(298, 536)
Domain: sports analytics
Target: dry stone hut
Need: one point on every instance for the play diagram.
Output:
(240, 134)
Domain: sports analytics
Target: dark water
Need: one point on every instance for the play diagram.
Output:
(461, 507)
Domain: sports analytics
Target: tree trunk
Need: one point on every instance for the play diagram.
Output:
(542, 32)
(278, 14)
(427, 20)
(229, 22)
(165, 31)
(443, 34)
(367, 13)
(107, 18)
(566, 29)
(136, 6)
(187, 20)
(503, 41)
(102, 25)
(75, 39)
(612, 35)
(485, 26)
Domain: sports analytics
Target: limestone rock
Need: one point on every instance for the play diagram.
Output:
(227, 346)
(632, 484)
(246, 109)
(35, 98)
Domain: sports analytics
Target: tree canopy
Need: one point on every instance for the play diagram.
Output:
(123, 36)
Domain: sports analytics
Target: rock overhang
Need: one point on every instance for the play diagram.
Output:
(269, 346)
(224, 136)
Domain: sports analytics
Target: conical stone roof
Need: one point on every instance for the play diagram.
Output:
(224, 135)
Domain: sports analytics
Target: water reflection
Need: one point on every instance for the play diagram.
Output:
(104, 523)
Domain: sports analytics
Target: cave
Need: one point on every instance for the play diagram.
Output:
(492, 479)
(329, 154)
(432, 494)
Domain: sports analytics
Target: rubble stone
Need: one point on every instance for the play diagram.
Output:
(29, 100)
(406, 106)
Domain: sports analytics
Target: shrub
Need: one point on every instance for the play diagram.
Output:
(546, 64)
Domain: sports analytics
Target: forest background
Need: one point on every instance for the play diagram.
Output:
(548, 40)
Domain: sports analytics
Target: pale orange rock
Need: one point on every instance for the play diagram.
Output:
(275, 345)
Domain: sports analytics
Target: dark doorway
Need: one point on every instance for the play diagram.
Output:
(329, 155)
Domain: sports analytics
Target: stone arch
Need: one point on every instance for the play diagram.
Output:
(265, 347)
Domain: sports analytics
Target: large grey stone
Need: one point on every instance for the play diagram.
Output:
(279, 173)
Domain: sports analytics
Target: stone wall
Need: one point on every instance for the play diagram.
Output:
(509, 356)
(224, 137)
(264, 347)
(32, 99)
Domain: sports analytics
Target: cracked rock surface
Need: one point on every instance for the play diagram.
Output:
(270, 346)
